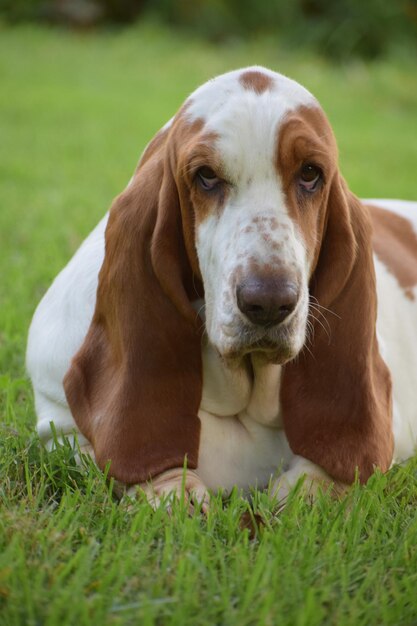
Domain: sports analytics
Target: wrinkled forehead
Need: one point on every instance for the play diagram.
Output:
(246, 105)
(217, 98)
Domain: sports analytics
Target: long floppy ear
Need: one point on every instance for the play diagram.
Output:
(336, 396)
(134, 387)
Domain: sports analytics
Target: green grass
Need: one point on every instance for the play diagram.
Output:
(75, 113)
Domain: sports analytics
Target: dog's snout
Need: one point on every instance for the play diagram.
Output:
(267, 301)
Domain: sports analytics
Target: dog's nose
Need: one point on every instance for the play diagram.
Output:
(267, 302)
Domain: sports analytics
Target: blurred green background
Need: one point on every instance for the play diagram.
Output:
(337, 29)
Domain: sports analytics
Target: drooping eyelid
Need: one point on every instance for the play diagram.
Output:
(203, 156)
(307, 151)
(195, 165)
(316, 158)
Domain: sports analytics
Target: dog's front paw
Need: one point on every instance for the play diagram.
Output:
(174, 484)
(312, 477)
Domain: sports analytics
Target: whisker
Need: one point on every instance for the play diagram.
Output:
(194, 286)
(309, 351)
(324, 322)
(203, 306)
(325, 330)
(320, 306)
(310, 331)
(202, 327)
(328, 327)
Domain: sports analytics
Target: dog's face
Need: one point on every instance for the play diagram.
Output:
(256, 167)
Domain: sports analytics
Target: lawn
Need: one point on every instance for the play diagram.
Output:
(75, 113)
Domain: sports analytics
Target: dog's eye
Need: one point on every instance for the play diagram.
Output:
(310, 176)
(207, 179)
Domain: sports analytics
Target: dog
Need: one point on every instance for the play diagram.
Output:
(238, 310)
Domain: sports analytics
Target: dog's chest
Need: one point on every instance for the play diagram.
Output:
(242, 441)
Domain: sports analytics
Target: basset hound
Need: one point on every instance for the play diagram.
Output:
(238, 308)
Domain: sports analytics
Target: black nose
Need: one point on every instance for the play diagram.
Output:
(267, 301)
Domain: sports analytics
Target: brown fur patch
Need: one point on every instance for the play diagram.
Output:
(395, 244)
(256, 81)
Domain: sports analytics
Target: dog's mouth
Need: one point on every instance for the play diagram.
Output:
(274, 345)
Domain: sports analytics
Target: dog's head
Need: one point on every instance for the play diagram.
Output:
(254, 179)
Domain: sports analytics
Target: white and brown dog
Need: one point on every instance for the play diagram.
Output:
(239, 307)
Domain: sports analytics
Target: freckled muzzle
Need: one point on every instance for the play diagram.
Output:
(268, 301)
